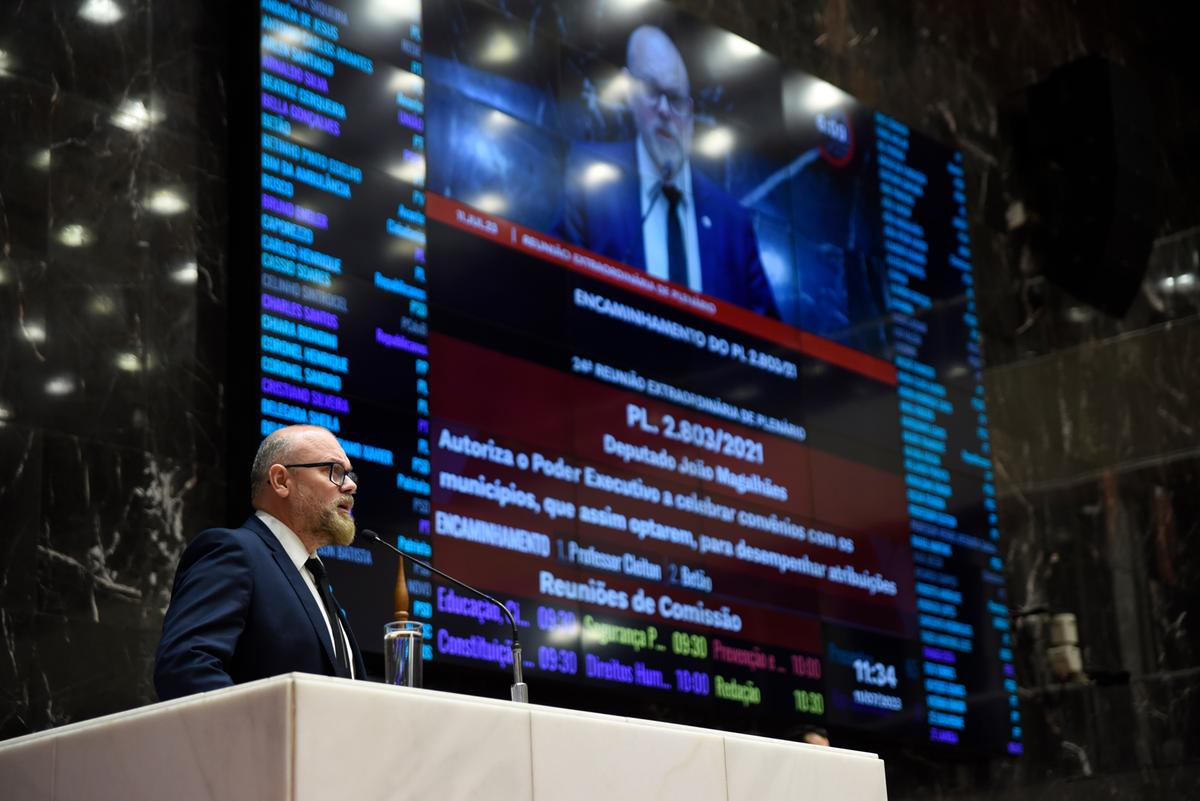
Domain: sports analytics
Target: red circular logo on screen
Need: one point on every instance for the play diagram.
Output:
(837, 137)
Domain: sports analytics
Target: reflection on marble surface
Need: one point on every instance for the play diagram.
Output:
(685, 763)
(113, 252)
(433, 725)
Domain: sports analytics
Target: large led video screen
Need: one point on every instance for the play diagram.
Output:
(666, 345)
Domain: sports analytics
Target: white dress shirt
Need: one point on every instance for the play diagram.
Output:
(654, 219)
(299, 555)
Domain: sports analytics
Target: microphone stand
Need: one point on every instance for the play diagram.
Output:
(520, 690)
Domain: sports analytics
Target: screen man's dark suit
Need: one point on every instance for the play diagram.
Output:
(240, 611)
(606, 218)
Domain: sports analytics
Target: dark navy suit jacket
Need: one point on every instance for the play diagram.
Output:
(607, 220)
(240, 611)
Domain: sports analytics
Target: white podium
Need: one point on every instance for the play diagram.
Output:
(309, 738)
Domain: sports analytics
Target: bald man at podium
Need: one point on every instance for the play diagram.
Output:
(254, 601)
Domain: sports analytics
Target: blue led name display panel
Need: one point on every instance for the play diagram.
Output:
(669, 347)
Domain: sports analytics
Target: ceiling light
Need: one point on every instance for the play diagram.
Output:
(101, 12)
(627, 5)
(741, 48)
(34, 332)
(187, 274)
(957, 370)
(616, 90)
(102, 304)
(407, 82)
(599, 173)
(1079, 314)
(5, 63)
(129, 362)
(75, 235)
(166, 202)
(1178, 283)
(498, 121)
(821, 96)
(134, 116)
(410, 171)
(5, 412)
(60, 385)
(41, 160)
(717, 142)
(499, 50)
(490, 202)
(392, 11)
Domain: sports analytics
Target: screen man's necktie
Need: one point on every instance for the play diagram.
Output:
(676, 255)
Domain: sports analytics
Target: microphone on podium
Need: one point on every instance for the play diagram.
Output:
(520, 690)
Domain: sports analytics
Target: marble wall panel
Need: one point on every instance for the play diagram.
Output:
(21, 510)
(1124, 400)
(99, 51)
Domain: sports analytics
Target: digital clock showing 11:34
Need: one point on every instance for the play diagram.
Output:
(875, 674)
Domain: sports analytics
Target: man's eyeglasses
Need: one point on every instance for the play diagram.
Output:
(337, 473)
(652, 94)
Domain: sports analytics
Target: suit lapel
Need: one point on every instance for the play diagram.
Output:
(303, 594)
(706, 235)
(630, 197)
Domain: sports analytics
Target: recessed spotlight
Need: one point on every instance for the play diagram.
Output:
(490, 202)
(102, 304)
(34, 332)
(6, 413)
(5, 63)
(75, 235)
(741, 48)
(821, 95)
(616, 90)
(101, 12)
(393, 11)
(715, 143)
(41, 159)
(498, 121)
(133, 115)
(407, 82)
(187, 274)
(411, 171)
(958, 370)
(129, 362)
(627, 6)
(60, 385)
(166, 202)
(500, 49)
(599, 173)
(1178, 283)
(1079, 314)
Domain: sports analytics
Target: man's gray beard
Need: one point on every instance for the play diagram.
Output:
(340, 529)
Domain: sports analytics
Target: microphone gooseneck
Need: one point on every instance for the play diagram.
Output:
(520, 690)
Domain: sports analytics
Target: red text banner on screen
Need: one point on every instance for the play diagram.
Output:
(528, 240)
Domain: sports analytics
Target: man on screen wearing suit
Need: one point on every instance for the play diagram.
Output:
(254, 601)
(641, 203)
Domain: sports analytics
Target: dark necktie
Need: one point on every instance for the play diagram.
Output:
(676, 255)
(321, 579)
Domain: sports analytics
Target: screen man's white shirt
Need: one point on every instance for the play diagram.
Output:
(654, 208)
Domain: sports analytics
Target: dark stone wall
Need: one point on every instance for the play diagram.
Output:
(113, 339)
